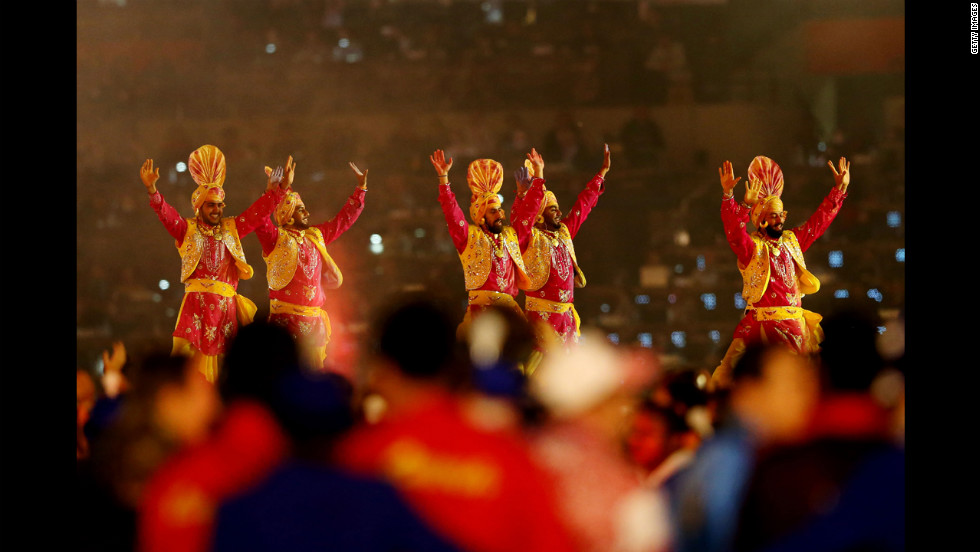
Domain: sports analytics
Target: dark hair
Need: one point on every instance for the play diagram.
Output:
(849, 357)
(258, 355)
(749, 365)
(156, 370)
(418, 335)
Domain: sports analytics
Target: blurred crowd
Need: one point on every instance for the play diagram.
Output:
(439, 442)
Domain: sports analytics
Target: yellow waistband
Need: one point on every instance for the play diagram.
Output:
(210, 286)
(486, 298)
(281, 307)
(776, 313)
(544, 305)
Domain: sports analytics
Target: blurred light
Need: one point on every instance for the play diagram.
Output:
(715, 336)
(900, 255)
(270, 48)
(873, 293)
(318, 176)
(157, 297)
(343, 42)
(709, 300)
(701, 263)
(163, 284)
(181, 166)
(682, 238)
(375, 239)
(420, 232)
(894, 219)
(377, 248)
(170, 312)
(679, 268)
(604, 307)
(835, 259)
(702, 381)
(679, 339)
(739, 301)
(841, 294)
(613, 338)
(642, 299)
(822, 146)
(646, 340)
(99, 366)
(672, 298)
(882, 330)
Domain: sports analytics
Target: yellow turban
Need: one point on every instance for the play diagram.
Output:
(287, 207)
(484, 177)
(207, 168)
(765, 170)
(548, 200)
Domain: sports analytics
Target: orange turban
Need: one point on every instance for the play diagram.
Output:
(207, 168)
(484, 177)
(765, 170)
(548, 200)
(287, 207)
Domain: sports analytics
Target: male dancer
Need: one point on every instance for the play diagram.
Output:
(212, 257)
(774, 274)
(493, 269)
(299, 267)
(546, 244)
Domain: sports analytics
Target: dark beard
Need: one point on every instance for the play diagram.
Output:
(773, 233)
(495, 229)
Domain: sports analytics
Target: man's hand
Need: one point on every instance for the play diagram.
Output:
(752, 190)
(537, 163)
(113, 380)
(442, 165)
(361, 176)
(605, 161)
(275, 178)
(727, 176)
(842, 178)
(523, 178)
(149, 176)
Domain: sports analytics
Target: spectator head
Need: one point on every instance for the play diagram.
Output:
(655, 432)
(313, 408)
(418, 337)
(849, 356)
(181, 402)
(258, 355)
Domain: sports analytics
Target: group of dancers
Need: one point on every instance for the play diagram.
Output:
(535, 254)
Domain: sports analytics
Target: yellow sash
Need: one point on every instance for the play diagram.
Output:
(536, 304)
(246, 308)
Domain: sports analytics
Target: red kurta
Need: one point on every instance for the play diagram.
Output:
(306, 287)
(208, 320)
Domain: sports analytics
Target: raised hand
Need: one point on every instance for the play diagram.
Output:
(149, 176)
(289, 173)
(727, 176)
(842, 178)
(523, 178)
(752, 190)
(441, 164)
(605, 161)
(361, 176)
(537, 163)
(275, 178)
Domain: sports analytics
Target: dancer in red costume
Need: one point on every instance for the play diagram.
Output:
(545, 238)
(774, 274)
(212, 257)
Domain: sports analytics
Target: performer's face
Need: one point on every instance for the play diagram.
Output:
(775, 221)
(552, 217)
(301, 217)
(211, 212)
(495, 219)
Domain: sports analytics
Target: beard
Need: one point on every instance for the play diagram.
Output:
(497, 227)
(773, 233)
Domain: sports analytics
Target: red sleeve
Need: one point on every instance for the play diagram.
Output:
(820, 220)
(735, 217)
(526, 210)
(175, 224)
(268, 234)
(259, 211)
(584, 204)
(333, 228)
(455, 220)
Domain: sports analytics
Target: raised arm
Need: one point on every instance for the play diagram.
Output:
(349, 213)
(258, 213)
(174, 223)
(587, 198)
(733, 216)
(455, 220)
(820, 220)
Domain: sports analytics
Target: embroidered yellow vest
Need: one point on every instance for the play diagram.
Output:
(193, 245)
(755, 275)
(537, 258)
(479, 251)
(282, 262)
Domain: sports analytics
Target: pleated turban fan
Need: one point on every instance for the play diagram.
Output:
(484, 177)
(207, 168)
(765, 170)
(287, 207)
